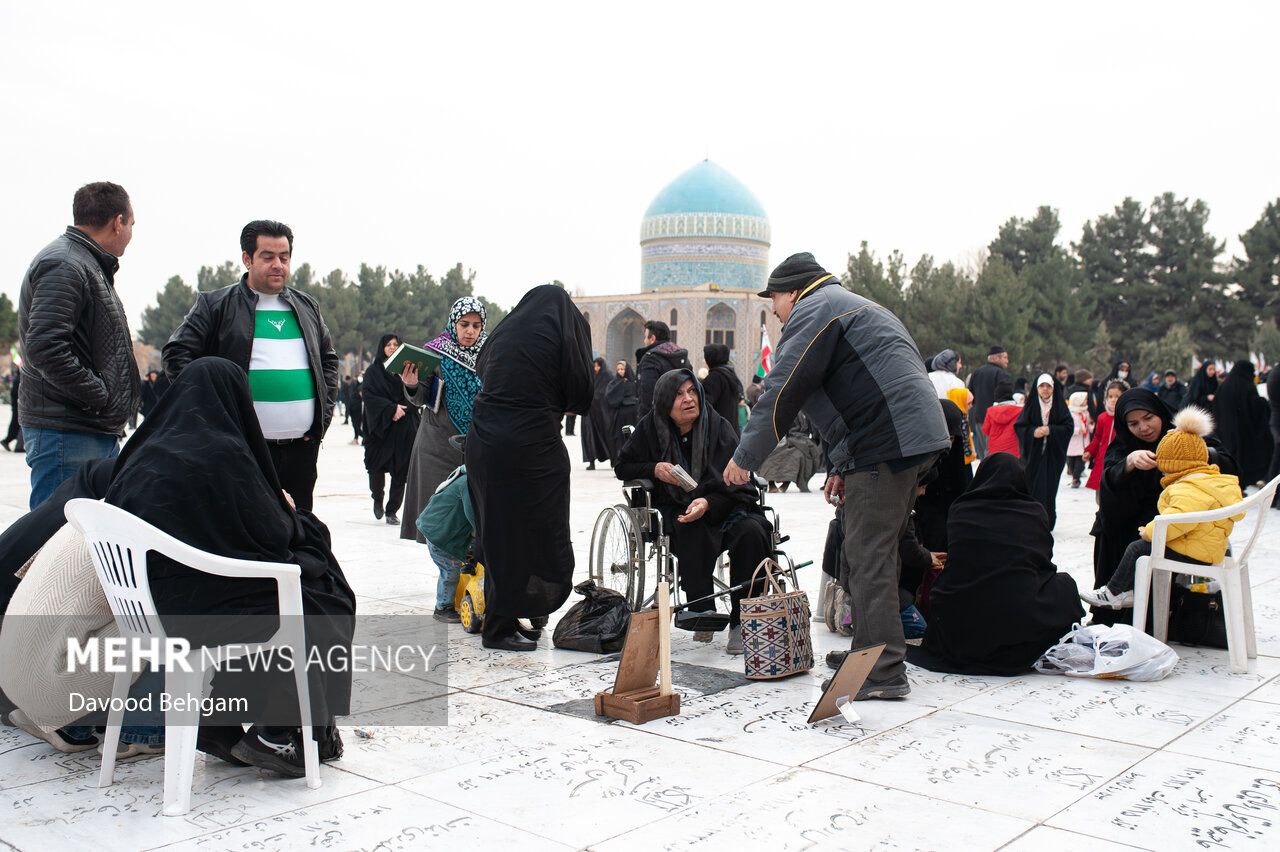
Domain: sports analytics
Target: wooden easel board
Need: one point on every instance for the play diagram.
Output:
(847, 680)
(646, 652)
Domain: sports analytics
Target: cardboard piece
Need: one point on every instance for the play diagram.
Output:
(847, 680)
(646, 654)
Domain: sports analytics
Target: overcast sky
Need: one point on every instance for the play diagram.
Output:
(526, 140)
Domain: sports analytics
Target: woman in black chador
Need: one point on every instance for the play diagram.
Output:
(1000, 603)
(535, 368)
(199, 469)
(1044, 430)
(622, 399)
(390, 425)
(595, 426)
(1242, 416)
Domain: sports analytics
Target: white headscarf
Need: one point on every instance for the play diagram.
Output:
(1045, 407)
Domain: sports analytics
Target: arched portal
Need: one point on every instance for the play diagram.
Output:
(624, 337)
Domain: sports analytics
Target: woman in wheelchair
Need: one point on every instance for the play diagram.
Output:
(711, 517)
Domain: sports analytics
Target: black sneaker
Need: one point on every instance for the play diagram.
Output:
(283, 757)
(448, 615)
(835, 659)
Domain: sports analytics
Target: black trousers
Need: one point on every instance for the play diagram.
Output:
(746, 538)
(295, 463)
(1075, 467)
(1123, 579)
(357, 420)
(378, 482)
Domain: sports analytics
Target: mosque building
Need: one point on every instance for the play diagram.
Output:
(704, 255)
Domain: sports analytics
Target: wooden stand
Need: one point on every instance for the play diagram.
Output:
(646, 655)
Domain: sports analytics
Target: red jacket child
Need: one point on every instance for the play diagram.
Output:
(1103, 432)
(998, 427)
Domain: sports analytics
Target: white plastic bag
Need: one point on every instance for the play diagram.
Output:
(1114, 651)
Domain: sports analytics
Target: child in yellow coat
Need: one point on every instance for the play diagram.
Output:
(1190, 484)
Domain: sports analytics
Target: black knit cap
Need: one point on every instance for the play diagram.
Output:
(794, 273)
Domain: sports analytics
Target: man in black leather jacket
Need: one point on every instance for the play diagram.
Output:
(278, 336)
(80, 382)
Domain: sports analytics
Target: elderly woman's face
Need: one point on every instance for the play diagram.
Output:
(390, 349)
(685, 409)
(1145, 425)
(468, 328)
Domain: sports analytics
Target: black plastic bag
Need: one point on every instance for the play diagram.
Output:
(598, 623)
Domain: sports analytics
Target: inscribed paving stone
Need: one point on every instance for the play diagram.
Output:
(389, 819)
(1247, 732)
(1174, 802)
(1045, 839)
(24, 760)
(972, 760)
(1108, 709)
(81, 816)
(571, 689)
(769, 721)
(479, 727)
(593, 781)
(802, 809)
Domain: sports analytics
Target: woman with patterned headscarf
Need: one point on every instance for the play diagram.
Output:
(446, 397)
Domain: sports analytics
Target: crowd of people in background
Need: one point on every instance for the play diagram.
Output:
(469, 459)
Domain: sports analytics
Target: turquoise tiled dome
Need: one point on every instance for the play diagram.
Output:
(705, 188)
(705, 227)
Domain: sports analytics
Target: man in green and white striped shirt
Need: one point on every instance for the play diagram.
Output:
(279, 337)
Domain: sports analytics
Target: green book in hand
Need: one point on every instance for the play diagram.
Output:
(410, 354)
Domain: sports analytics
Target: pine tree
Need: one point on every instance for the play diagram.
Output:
(1115, 254)
(869, 277)
(1258, 272)
(172, 304)
(216, 277)
(8, 323)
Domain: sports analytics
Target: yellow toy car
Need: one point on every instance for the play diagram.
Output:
(468, 599)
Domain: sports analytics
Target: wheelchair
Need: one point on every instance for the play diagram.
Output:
(631, 552)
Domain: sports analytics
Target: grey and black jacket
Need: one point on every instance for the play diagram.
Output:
(221, 323)
(79, 374)
(850, 365)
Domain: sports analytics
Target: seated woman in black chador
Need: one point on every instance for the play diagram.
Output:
(1000, 602)
(198, 469)
(713, 517)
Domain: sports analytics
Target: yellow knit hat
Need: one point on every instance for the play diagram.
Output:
(1184, 449)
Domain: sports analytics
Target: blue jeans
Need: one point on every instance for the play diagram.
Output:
(450, 569)
(140, 726)
(55, 455)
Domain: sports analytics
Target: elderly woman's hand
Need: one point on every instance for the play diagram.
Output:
(409, 374)
(662, 472)
(696, 510)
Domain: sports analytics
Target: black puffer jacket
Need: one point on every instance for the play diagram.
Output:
(79, 374)
(221, 323)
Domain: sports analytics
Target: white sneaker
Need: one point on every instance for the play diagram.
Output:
(1104, 598)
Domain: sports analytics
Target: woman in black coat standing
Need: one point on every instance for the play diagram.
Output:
(1044, 430)
(1242, 419)
(622, 402)
(595, 425)
(390, 425)
(535, 367)
(722, 387)
(1204, 386)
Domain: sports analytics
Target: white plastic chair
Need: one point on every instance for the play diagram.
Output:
(118, 543)
(1154, 575)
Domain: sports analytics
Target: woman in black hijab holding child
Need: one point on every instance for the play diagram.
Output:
(535, 368)
(1000, 603)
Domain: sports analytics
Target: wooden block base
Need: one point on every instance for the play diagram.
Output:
(637, 706)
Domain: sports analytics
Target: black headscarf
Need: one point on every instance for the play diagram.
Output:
(388, 444)
(1241, 416)
(621, 390)
(722, 387)
(1000, 602)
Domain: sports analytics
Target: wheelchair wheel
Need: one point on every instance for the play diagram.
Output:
(615, 559)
